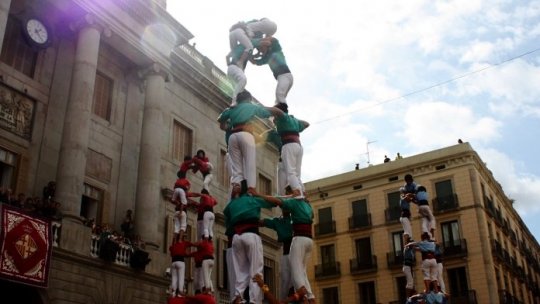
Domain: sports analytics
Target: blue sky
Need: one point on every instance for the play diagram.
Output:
(407, 76)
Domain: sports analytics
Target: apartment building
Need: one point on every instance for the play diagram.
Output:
(489, 254)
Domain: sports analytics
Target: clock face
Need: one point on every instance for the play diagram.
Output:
(37, 31)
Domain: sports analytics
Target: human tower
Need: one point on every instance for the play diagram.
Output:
(254, 42)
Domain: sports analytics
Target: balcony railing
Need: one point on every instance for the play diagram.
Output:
(325, 228)
(392, 214)
(327, 270)
(445, 203)
(394, 259)
(358, 266)
(360, 221)
(455, 250)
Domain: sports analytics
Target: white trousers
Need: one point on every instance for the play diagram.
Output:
(208, 224)
(231, 275)
(207, 266)
(301, 248)
(239, 36)
(207, 180)
(228, 165)
(238, 79)
(408, 276)
(291, 155)
(407, 228)
(248, 261)
(284, 85)
(178, 272)
(284, 277)
(282, 179)
(440, 278)
(429, 269)
(180, 221)
(428, 220)
(242, 150)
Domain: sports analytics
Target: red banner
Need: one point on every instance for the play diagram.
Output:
(26, 247)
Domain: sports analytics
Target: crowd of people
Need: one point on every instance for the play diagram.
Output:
(252, 41)
(434, 291)
(44, 206)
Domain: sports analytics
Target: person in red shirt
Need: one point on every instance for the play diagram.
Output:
(205, 255)
(178, 253)
(205, 215)
(185, 166)
(202, 164)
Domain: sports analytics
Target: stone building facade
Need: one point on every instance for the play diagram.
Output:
(106, 106)
(489, 254)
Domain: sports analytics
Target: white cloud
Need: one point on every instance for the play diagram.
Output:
(436, 124)
(523, 188)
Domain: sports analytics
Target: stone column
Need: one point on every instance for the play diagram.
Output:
(147, 204)
(72, 158)
(4, 13)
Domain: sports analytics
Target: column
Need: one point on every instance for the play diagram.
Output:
(4, 13)
(72, 158)
(147, 204)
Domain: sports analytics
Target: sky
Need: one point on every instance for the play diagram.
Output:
(375, 78)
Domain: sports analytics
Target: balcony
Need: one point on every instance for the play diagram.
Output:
(360, 221)
(394, 260)
(453, 250)
(445, 203)
(325, 228)
(360, 266)
(327, 270)
(392, 215)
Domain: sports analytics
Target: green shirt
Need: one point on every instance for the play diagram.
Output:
(244, 208)
(243, 113)
(288, 123)
(301, 211)
(282, 226)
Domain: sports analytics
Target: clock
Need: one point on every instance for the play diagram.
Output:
(36, 31)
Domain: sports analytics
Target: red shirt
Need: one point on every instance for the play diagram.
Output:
(206, 203)
(205, 250)
(201, 164)
(179, 248)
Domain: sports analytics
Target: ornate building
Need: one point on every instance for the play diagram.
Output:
(105, 98)
(489, 254)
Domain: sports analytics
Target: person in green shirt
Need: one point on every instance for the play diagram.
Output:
(242, 215)
(302, 241)
(289, 128)
(241, 145)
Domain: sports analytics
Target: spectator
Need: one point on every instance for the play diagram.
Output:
(127, 225)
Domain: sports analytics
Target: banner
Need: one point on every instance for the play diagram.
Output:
(26, 247)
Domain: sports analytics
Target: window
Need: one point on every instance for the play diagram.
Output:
(459, 286)
(367, 293)
(401, 282)
(394, 210)
(330, 295)
(360, 216)
(102, 96)
(397, 242)
(222, 169)
(182, 141)
(328, 255)
(91, 203)
(16, 52)
(8, 168)
(450, 234)
(364, 258)
(264, 185)
(326, 224)
(445, 195)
